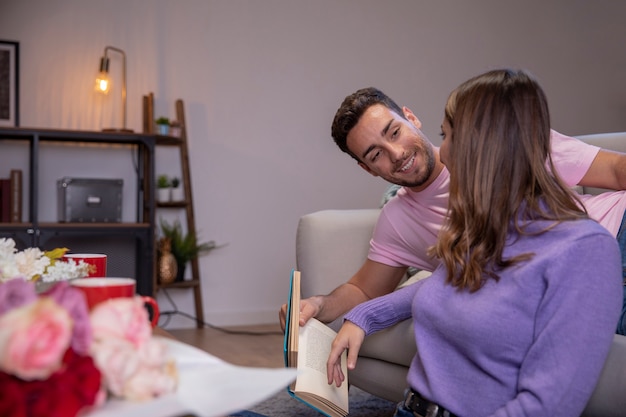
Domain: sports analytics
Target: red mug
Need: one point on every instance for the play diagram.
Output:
(100, 289)
(97, 262)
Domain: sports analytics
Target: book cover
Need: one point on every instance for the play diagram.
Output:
(15, 200)
(5, 200)
(307, 348)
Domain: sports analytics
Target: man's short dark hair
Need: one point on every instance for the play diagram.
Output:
(352, 109)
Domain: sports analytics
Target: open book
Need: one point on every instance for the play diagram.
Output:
(307, 348)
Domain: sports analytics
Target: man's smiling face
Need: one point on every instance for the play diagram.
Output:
(394, 148)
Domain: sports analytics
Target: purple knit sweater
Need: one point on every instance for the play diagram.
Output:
(531, 344)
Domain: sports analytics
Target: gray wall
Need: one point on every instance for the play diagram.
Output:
(261, 81)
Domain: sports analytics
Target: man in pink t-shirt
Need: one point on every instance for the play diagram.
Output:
(386, 141)
(408, 225)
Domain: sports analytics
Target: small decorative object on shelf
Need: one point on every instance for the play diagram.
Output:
(167, 265)
(177, 190)
(185, 247)
(163, 188)
(175, 128)
(163, 125)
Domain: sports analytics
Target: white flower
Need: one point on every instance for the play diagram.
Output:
(32, 263)
(7, 248)
(61, 271)
(8, 267)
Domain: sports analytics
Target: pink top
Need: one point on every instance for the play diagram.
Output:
(409, 223)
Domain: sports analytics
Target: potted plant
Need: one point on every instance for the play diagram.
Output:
(163, 188)
(177, 191)
(184, 247)
(163, 125)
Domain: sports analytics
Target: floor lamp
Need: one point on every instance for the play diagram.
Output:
(103, 84)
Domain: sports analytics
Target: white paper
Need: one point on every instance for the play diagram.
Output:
(208, 387)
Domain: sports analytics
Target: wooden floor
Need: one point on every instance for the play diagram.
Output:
(259, 346)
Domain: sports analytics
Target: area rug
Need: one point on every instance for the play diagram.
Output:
(362, 404)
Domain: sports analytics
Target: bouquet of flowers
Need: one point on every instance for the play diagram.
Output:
(58, 359)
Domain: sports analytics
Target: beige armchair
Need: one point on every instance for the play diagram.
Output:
(331, 245)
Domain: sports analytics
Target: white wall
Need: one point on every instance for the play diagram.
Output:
(261, 81)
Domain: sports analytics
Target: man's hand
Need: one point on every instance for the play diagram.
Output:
(372, 280)
(309, 307)
(350, 337)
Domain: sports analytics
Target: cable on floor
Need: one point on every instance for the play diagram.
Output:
(169, 313)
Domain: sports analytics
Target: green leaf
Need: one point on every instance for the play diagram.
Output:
(185, 247)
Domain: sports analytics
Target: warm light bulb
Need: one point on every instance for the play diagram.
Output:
(103, 84)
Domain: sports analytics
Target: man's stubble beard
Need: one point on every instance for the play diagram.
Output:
(429, 157)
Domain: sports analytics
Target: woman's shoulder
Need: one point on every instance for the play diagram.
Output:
(584, 237)
(569, 233)
(585, 226)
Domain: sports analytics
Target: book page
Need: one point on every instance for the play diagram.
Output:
(314, 348)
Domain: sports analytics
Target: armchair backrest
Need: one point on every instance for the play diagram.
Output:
(331, 245)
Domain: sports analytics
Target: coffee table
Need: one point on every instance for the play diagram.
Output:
(208, 386)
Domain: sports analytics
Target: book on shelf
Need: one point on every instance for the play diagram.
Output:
(307, 348)
(15, 212)
(5, 200)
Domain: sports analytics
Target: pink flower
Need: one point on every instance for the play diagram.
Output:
(121, 318)
(118, 362)
(134, 365)
(152, 382)
(135, 374)
(34, 338)
(16, 293)
(73, 300)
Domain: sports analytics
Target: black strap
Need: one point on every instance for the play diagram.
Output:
(422, 407)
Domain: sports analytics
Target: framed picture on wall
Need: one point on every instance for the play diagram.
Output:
(9, 83)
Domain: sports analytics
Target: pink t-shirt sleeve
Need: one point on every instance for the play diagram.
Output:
(571, 157)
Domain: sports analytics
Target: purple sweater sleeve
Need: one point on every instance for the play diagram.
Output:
(385, 311)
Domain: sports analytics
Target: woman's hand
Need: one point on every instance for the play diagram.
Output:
(350, 337)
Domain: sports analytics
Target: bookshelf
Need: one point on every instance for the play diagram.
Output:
(33, 231)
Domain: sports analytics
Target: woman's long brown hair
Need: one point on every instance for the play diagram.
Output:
(500, 145)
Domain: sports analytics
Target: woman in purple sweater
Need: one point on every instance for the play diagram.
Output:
(519, 317)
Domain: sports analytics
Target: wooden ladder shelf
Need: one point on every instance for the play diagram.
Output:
(187, 204)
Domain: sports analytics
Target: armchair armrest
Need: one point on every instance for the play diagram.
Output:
(608, 398)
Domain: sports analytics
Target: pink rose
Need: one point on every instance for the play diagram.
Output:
(134, 366)
(151, 382)
(124, 318)
(34, 338)
(135, 374)
(118, 361)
